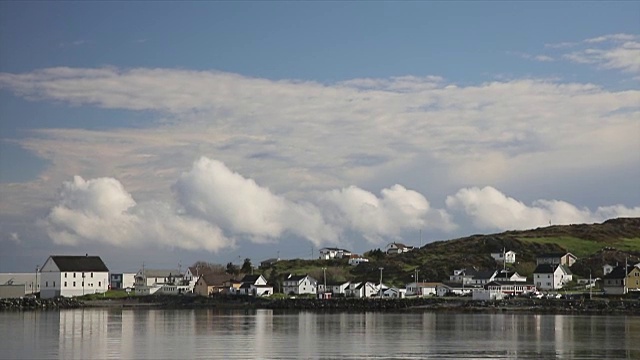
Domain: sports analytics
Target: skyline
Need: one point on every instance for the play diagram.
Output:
(218, 131)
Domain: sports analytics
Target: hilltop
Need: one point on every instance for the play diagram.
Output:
(594, 244)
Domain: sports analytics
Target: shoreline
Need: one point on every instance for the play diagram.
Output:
(600, 306)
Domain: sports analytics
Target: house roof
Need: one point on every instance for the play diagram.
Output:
(339, 283)
(551, 268)
(619, 272)
(521, 283)
(555, 255)
(250, 278)
(80, 263)
(399, 245)
(215, 279)
(163, 273)
(484, 274)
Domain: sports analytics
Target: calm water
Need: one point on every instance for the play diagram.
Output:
(264, 334)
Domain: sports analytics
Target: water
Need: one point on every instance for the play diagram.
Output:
(113, 333)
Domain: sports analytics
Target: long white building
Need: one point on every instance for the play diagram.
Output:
(73, 276)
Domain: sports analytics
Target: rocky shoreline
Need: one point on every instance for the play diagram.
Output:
(537, 306)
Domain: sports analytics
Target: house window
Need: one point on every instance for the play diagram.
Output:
(54, 284)
(46, 284)
(99, 283)
(65, 275)
(74, 284)
(65, 284)
(74, 275)
(91, 274)
(83, 283)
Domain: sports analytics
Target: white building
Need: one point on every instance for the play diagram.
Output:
(73, 276)
(508, 257)
(551, 277)
(333, 253)
(300, 284)
(160, 281)
(30, 281)
(334, 288)
(357, 260)
(422, 288)
(364, 289)
(398, 248)
(255, 285)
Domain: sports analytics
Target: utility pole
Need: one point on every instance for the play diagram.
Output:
(324, 274)
(590, 286)
(381, 268)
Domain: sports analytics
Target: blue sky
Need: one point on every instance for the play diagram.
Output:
(523, 109)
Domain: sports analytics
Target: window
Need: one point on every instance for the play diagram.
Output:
(74, 275)
(65, 275)
(65, 284)
(46, 284)
(91, 274)
(54, 284)
(74, 284)
(83, 283)
(99, 283)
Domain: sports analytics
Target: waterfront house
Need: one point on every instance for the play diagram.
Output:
(422, 288)
(394, 293)
(211, 283)
(335, 288)
(300, 284)
(160, 281)
(559, 258)
(398, 248)
(463, 276)
(361, 289)
(497, 290)
(506, 275)
(334, 253)
(551, 276)
(73, 276)
(254, 285)
(455, 289)
(621, 280)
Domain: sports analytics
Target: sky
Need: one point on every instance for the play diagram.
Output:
(174, 132)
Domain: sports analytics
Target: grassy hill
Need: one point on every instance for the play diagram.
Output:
(594, 245)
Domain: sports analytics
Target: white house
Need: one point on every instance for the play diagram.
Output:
(504, 275)
(73, 276)
(551, 276)
(151, 281)
(255, 285)
(606, 269)
(398, 248)
(458, 289)
(393, 292)
(508, 257)
(335, 288)
(300, 284)
(333, 253)
(356, 260)
(422, 288)
(364, 289)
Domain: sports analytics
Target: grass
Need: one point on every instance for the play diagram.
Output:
(583, 247)
(110, 294)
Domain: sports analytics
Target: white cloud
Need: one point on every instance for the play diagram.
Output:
(213, 192)
(396, 211)
(489, 208)
(101, 211)
(615, 52)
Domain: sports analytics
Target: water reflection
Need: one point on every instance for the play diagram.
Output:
(264, 334)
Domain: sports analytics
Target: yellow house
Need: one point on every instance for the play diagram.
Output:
(633, 279)
(208, 284)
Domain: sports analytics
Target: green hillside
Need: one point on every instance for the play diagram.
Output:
(594, 244)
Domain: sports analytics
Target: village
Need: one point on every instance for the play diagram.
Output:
(74, 276)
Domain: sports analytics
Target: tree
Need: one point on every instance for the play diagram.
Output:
(232, 269)
(246, 266)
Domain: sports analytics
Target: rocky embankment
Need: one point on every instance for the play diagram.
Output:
(553, 306)
(39, 304)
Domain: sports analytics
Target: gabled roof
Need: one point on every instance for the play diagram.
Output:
(250, 278)
(80, 263)
(484, 274)
(507, 283)
(400, 246)
(619, 272)
(162, 273)
(550, 269)
(215, 279)
(555, 255)
(335, 249)
(297, 278)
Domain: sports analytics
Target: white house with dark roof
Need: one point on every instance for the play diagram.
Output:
(362, 289)
(73, 276)
(300, 284)
(398, 248)
(333, 253)
(551, 276)
(558, 258)
(507, 257)
(160, 281)
(255, 285)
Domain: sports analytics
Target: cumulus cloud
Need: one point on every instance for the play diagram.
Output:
(102, 211)
(397, 210)
(211, 191)
(488, 208)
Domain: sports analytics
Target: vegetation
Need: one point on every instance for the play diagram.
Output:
(110, 294)
(613, 241)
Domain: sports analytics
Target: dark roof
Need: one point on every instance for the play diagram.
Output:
(80, 263)
(618, 272)
(484, 274)
(521, 283)
(215, 279)
(545, 269)
(250, 278)
(554, 255)
(295, 277)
